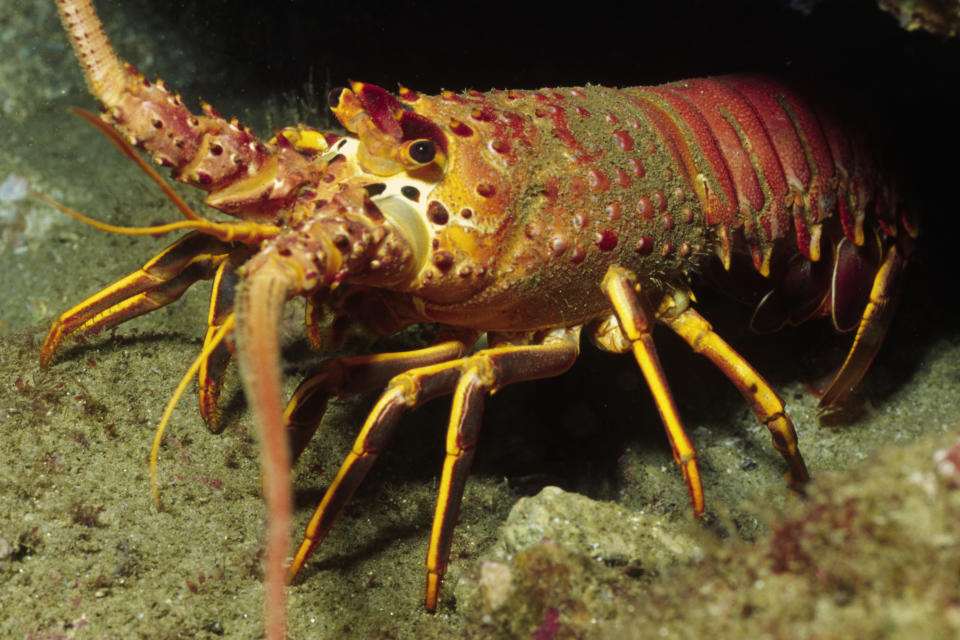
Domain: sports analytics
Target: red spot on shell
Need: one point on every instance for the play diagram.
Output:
(667, 249)
(685, 249)
(408, 95)
(679, 195)
(609, 117)
(583, 113)
(578, 254)
(606, 240)
(651, 148)
(613, 211)
(552, 190)
(633, 122)
(659, 200)
(667, 222)
(500, 146)
(482, 115)
(581, 219)
(636, 167)
(460, 128)
(644, 246)
(576, 93)
(687, 215)
(486, 190)
(621, 178)
(437, 213)
(597, 180)
(443, 260)
(645, 208)
(466, 213)
(624, 140)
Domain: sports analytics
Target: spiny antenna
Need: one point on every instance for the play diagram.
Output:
(106, 76)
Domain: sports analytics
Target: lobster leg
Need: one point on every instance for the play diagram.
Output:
(159, 282)
(636, 321)
(347, 376)
(469, 379)
(485, 372)
(768, 406)
(405, 391)
(872, 328)
(213, 368)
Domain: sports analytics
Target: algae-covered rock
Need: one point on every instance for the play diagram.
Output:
(873, 553)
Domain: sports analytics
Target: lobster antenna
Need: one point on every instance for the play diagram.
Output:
(245, 231)
(106, 76)
(121, 143)
(208, 348)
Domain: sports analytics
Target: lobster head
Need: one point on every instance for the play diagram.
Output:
(443, 181)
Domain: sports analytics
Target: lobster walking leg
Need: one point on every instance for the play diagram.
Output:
(482, 373)
(159, 282)
(469, 379)
(768, 406)
(636, 321)
(213, 368)
(406, 391)
(347, 376)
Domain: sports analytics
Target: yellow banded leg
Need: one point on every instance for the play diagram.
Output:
(872, 328)
(636, 321)
(193, 257)
(346, 376)
(483, 372)
(213, 368)
(405, 391)
(768, 406)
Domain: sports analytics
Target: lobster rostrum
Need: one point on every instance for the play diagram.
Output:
(528, 216)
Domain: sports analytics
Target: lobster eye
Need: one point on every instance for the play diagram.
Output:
(422, 151)
(333, 98)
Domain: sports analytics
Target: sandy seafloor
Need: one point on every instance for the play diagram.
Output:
(85, 554)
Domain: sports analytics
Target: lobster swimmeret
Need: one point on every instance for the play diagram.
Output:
(524, 215)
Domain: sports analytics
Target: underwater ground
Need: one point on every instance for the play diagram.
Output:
(601, 543)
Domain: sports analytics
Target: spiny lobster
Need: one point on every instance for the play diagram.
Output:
(528, 216)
